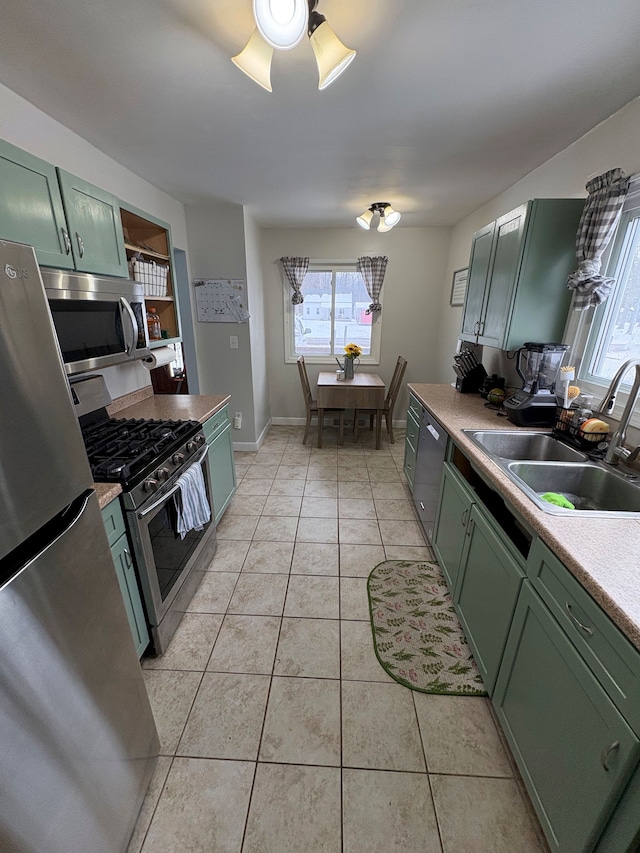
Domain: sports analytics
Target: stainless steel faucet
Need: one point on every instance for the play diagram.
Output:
(616, 450)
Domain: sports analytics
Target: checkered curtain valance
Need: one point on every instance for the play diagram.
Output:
(601, 214)
(295, 270)
(372, 270)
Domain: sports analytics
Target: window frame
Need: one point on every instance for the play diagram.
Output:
(584, 328)
(290, 354)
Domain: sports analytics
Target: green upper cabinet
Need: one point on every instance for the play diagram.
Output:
(518, 271)
(95, 227)
(31, 208)
(479, 262)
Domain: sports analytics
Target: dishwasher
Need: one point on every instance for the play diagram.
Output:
(432, 445)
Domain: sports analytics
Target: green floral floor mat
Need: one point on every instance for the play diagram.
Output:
(416, 633)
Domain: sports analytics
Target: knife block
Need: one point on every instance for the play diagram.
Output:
(472, 382)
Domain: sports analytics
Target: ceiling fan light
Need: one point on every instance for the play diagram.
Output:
(332, 56)
(364, 220)
(255, 60)
(282, 23)
(391, 216)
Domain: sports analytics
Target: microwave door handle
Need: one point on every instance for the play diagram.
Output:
(173, 489)
(131, 328)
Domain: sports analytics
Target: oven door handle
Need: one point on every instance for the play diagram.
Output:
(132, 327)
(173, 489)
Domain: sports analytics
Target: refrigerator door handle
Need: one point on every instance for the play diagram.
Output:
(130, 329)
(78, 506)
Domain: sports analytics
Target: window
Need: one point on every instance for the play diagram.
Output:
(332, 315)
(610, 335)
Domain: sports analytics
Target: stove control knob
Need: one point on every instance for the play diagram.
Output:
(192, 444)
(177, 458)
(162, 474)
(150, 485)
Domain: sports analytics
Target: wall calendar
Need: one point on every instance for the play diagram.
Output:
(221, 300)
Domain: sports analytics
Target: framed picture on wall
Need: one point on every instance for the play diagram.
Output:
(459, 286)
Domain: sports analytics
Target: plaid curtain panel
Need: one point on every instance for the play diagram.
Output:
(295, 270)
(600, 217)
(372, 270)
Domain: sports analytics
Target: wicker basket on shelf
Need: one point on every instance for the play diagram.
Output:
(152, 275)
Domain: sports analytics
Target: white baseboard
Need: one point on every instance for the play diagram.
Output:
(253, 446)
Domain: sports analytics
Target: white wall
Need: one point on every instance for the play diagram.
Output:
(410, 295)
(34, 131)
(258, 327)
(614, 142)
(217, 250)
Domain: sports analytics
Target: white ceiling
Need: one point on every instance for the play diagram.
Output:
(447, 103)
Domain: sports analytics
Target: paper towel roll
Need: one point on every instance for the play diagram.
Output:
(159, 357)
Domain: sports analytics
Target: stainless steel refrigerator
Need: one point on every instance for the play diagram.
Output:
(77, 736)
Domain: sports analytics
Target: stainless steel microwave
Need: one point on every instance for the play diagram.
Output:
(99, 321)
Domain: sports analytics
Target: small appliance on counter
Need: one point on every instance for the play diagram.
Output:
(537, 364)
(470, 374)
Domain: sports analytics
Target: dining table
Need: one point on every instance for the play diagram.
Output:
(364, 391)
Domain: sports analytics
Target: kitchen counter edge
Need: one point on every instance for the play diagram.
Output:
(587, 547)
(164, 407)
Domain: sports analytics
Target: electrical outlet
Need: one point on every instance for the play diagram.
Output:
(233, 341)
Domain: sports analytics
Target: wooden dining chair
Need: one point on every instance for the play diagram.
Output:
(312, 405)
(389, 403)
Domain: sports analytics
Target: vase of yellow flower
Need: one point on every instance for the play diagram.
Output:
(352, 353)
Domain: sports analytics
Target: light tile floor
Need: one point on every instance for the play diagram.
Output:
(280, 731)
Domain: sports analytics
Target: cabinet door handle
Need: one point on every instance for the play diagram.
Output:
(469, 529)
(421, 506)
(67, 241)
(606, 752)
(463, 518)
(80, 245)
(582, 627)
(127, 557)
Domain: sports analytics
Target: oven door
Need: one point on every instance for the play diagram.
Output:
(170, 568)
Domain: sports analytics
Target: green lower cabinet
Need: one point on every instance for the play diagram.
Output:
(451, 523)
(222, 469)
(126, 574)
(574, 749)
(486, 593)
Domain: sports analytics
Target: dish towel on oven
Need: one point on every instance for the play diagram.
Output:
(192, 506)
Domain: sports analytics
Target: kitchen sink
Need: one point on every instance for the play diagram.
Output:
(588, 486)
(537, 463)
(540, 446)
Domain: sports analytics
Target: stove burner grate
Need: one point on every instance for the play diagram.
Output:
(121, 450)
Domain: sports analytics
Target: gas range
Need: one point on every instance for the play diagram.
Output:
(147, 458)
(141, 455)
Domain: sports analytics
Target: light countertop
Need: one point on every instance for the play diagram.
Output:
(161, 407)
(602, 553)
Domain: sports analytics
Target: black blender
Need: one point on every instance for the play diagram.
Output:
(535, 403)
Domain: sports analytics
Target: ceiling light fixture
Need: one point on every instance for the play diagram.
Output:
(388, 216)
(281, 25)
